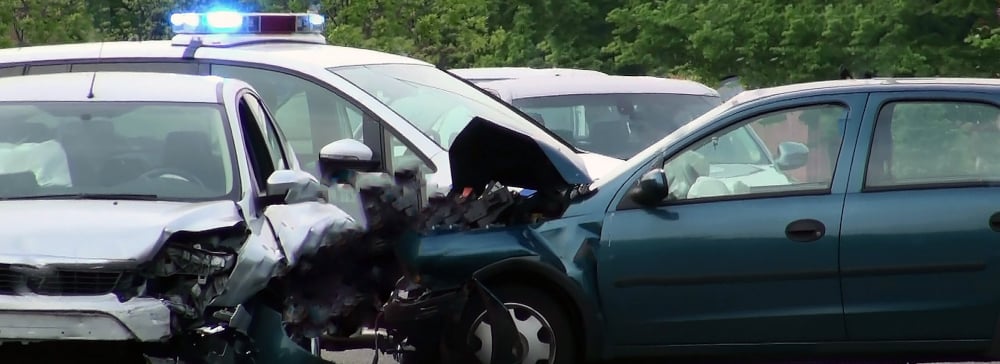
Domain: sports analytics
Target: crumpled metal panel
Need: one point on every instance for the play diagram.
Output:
(303, 227)
(259, 260)
(95, 232)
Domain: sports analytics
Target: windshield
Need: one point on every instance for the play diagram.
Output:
(168, 151)
(615, 125)
(436, 102)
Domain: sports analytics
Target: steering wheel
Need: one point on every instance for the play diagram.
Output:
(184, 175)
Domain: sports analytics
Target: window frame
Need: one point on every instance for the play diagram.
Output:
(853, 101)
(917, 98)
(251, 131)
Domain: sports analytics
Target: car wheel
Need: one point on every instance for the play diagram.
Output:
(543, 327)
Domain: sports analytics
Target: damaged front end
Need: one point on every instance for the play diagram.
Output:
(505, 183)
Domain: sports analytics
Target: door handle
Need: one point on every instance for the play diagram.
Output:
(805, 230)
(995, 222)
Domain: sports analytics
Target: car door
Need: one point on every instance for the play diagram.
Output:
(740, 252)
(920, 244)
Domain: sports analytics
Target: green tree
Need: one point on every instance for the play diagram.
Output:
(35, 22)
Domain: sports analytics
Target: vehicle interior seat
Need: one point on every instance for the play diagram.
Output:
(87, 145)
(708, 187)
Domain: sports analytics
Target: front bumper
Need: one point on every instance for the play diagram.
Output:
(96, 318)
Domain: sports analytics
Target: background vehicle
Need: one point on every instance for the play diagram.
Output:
(151, 217)
(615, 116)
(486, 74)
(318, 92)
(885, 248)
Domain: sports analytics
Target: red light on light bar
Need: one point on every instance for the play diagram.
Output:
(271, 24)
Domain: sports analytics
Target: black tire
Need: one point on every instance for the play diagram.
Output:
(544, 304)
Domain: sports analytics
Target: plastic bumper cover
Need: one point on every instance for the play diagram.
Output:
(97, 318)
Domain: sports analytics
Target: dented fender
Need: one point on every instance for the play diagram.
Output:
(259, 260)
(302, 228)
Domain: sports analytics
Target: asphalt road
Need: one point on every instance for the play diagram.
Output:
(357, 357)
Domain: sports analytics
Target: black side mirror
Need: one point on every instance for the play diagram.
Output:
(652, 188)
(345, 155)
(792, 155)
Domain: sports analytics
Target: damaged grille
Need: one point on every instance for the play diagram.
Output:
(57, 282)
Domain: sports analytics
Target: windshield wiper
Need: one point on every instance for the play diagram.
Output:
(88, 196)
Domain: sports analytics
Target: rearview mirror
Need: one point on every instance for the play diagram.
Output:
(792, 155)
(344, 155)
(284, 180)
(652, 188)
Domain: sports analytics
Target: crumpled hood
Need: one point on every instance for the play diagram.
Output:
(487, 151)
(40, 232)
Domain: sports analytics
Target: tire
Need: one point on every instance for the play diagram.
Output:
(532, 307)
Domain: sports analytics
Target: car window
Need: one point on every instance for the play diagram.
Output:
(11, 71)
(404, 157)
(158, 67)
(261, 161)
(617, 125)
(273, 141)
(792, 150)
(934, 143)
(174, 151)
(47, 69)
(309, 115)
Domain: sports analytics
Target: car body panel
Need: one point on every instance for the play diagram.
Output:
(926, 254)
(101, 232)
(100, 318)
(486, 74)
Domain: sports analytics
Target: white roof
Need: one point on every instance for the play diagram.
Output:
(286, 54)
(503, 73)
(113, 86)
(589, 85)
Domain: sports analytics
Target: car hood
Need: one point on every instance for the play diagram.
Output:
(599, 165)
(486, 151)
(38, 232)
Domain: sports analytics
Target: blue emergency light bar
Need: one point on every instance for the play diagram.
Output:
(231, 22)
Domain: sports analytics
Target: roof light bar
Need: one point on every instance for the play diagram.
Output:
(231, 22)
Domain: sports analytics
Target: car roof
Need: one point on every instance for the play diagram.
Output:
(504, 73)
(865, 85)
(113, 86)
(590, 85)
(272, 52)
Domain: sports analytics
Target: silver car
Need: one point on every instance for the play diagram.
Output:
(618, 116)
(139, 206)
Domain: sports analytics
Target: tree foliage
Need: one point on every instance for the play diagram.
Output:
(766, 42)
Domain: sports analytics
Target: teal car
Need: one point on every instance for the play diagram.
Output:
(885, 243)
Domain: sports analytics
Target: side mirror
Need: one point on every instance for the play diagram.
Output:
(346, 154)
(284, 180)
(792, 155)
(652, 188)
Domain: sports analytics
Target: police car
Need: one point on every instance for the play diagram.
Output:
(392, 110)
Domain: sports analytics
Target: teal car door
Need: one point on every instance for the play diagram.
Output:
(745, 248)
(920, 247)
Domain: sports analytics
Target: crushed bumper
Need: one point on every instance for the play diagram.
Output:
(98, 318)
